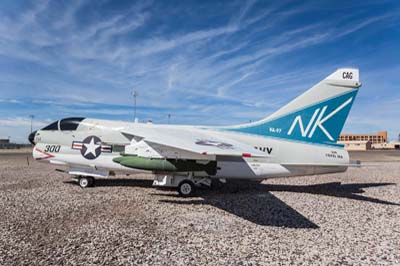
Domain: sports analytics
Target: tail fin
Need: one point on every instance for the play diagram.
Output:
(316, 116)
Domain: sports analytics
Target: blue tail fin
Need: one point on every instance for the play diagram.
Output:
(316, 116)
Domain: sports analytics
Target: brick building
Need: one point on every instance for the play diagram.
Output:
(380, 137)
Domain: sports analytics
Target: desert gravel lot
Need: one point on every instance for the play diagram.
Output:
(341, 219)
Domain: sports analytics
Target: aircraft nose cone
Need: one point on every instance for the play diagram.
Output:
(32, 137)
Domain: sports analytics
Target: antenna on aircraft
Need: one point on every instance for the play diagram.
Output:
(134, 94)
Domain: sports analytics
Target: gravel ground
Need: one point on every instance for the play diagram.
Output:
(342, 219)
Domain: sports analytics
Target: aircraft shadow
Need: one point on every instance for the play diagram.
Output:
(264, 209)
(115, 182)
(335, 189)
(255, 203)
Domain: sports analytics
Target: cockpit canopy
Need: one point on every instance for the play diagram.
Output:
(66, 124)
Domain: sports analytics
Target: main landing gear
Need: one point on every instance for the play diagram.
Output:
(186, 188)
(86, 181)
(185, 185)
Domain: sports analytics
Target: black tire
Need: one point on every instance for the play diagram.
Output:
(91, 181)
(86, 181)
(186, 188)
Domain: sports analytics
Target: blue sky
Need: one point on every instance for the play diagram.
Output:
(209, 63)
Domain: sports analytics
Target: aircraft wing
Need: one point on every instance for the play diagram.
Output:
(192, 140)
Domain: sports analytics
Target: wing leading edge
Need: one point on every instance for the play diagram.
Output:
(192, 140)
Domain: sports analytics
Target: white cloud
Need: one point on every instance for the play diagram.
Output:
(93, 63)
(221, 91)
(18, 128)
(20, 122)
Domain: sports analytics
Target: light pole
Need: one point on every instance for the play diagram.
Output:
(134, 94)
(31, 117)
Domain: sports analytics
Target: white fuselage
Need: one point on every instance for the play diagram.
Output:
(283, 157)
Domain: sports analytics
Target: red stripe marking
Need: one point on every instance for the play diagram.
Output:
(246, 154)
(48, 155)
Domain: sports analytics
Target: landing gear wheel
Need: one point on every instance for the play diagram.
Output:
(86, 181)
(186, 188)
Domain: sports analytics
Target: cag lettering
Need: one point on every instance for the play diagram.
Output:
(347, 75)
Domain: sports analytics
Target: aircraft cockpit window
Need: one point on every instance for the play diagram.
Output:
(70, 123)
(52, 126)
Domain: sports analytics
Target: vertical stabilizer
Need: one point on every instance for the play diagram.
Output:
(316, 116)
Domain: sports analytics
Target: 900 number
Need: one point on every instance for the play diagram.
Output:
(52, 148)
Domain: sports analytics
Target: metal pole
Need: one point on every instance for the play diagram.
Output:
(31, 117)
(135, 94)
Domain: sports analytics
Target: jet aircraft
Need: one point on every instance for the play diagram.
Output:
(298, 139)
